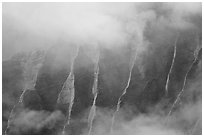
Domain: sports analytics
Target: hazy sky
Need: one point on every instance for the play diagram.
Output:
(29, 26)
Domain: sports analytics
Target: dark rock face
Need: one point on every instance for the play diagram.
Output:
(113, 76)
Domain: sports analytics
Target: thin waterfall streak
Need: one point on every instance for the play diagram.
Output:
(118, 103)
(194, 127)
(26, 87)
(170, 70)
(69, 88)
(92, 112)
(124, 91)
(70, 76)
(37, 72)
(10, 117)
(69, 115)
(91, 116)
(72, 92)
(22, 95)
(114, 114)
(63, 131)
(184, 82)
(67, 94)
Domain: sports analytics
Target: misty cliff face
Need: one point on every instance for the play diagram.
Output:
(78, 69)
(144, 94)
